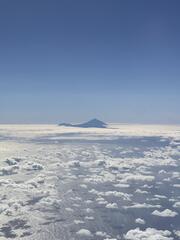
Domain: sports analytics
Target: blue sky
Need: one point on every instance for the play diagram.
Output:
(66, 60)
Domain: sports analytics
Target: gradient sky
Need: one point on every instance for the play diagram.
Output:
(72, 60)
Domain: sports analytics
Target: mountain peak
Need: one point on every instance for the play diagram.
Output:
(93, 123)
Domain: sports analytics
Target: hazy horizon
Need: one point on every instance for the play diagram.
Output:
(110, 123)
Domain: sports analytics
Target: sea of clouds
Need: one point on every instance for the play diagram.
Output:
(64, 183)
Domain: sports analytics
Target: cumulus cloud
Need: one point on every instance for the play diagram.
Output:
(84, 233)
(9, 170)
(160, 196)
(148, 234)
(140, 221)
(113, 173)
(176, 185)
(89, 218)
(124, 196)
(102, 234)
(30, 166)
(112, 205)
(165, 213)
(177, 233)
(76, 221)
(74, 164)
(122, 185)
(136, 177)
(141, 191)
(176, 205)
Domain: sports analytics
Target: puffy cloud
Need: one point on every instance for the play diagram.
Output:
(9, 170)
(121, 185)
(84, 233)
(89, 218)
(136, 177)
(176, 185)
(160, 196)
(176, 205)
(140, 221)
(141, 191)
(177, 233)
(165, 213)
(76, 221)
(30, 166)
(112, 205)
(102, 234)
(124, 196)
(110, 239)
(43, 198)
(74, 164)
(148, 234)
(69, 209)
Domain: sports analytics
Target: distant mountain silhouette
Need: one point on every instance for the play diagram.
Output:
(94, 123)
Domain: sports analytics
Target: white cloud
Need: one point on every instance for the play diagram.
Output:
(69, 209)
(176, 205)
(140, 221)
(33, 166)
(89, 218)
(74, 164)
(112, 205)
(165, 213)
(124, 196)
(142, 205)
(76, 221)
(143, 178)
(141, 191)
(102, 234)
(9, 170)
(110, 239)
(176, 185)
(84, 233)
(121, 185)
(177, 233)
(148, 234)
(37, 195)
(160, 196)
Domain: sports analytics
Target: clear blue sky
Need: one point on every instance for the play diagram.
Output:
(71, 60)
